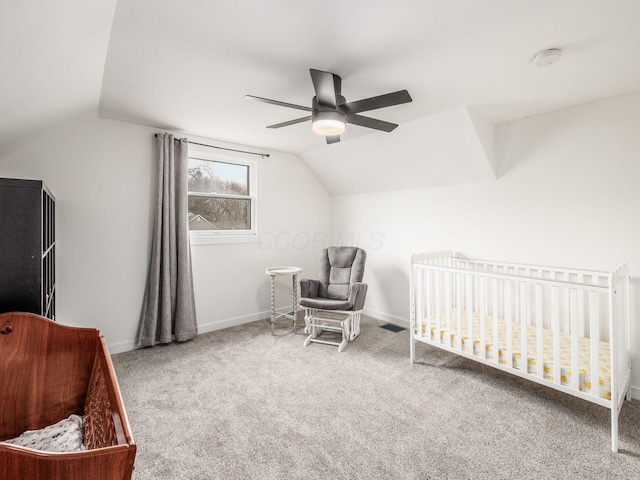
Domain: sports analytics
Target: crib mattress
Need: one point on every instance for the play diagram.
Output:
(584, 360)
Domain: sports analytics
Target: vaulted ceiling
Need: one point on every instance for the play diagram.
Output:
(52, 56)
(186, 65)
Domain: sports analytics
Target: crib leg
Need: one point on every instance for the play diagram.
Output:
(614, 428)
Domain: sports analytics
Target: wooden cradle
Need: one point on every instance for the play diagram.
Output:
(49, 371)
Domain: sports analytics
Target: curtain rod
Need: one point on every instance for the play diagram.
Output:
(222, 148)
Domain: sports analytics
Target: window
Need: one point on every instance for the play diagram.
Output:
(222, 198)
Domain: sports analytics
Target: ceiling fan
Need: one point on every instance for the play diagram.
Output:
(330, 112)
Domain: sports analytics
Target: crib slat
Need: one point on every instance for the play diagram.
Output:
(516, 300)
(566, 317)
(524, 313)
(496, 341)
(459, 308)
(470, 312)
(508, 293)
(581, 317)
(476, 290)
(555, 321)
(482, 285)
(438, 335)
(594, 335)
(428, 293)
(448, 298)
(575, 372)
(539, 334)
(427, 309)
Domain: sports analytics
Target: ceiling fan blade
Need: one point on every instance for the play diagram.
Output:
(290, 122)
(332, 139)
(276, 102)
(371, 123)
(381, 101)
(327, 86)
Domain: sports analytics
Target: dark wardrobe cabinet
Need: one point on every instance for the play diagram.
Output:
(27, 247)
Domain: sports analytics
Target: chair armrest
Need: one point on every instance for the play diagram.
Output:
(357, 294)
(309, 288)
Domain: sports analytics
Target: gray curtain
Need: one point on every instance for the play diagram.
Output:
(169, 309)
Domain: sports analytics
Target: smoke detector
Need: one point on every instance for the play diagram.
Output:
(546, 57)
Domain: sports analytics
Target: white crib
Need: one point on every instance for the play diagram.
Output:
(540, 323)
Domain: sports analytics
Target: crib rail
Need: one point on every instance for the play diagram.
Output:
(105, 419)
(564, 328)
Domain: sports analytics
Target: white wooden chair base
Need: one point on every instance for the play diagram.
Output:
(340, 321)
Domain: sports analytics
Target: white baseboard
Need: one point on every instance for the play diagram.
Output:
(122, 347)
(232, 322)
(635, 392)
(385, 317)
(205, 328)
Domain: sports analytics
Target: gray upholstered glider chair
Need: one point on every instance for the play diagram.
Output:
(335, 301)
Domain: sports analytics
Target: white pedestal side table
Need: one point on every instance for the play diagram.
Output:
(274, 272)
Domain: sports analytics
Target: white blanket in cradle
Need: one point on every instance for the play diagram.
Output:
(64, 436)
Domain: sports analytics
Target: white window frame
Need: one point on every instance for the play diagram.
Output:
(207, 237)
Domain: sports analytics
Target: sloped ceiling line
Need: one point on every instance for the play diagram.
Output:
(448, 148)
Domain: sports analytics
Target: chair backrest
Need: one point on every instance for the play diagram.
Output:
(339, 268)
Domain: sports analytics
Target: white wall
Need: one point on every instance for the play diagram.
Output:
(567, 195)
(102, 173)
(447, 148)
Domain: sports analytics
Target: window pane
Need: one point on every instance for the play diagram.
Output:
(208, 213)
(206, 176)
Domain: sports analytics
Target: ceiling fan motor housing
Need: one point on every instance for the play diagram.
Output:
(334, 115)
(328, 119)
(318, 107)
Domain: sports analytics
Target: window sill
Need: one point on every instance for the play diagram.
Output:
(223, 239)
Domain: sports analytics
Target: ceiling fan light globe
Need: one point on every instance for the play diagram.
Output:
(328, 123)
(328, 127)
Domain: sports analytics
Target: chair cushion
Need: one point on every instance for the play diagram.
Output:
(340, 274)
(338, 291)
(326, 303)
(342, 257)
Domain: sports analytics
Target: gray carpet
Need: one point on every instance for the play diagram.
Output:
(242, 404)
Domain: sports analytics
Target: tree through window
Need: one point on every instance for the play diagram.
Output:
(221, 196)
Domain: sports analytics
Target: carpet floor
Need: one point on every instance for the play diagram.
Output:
(240, 403)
